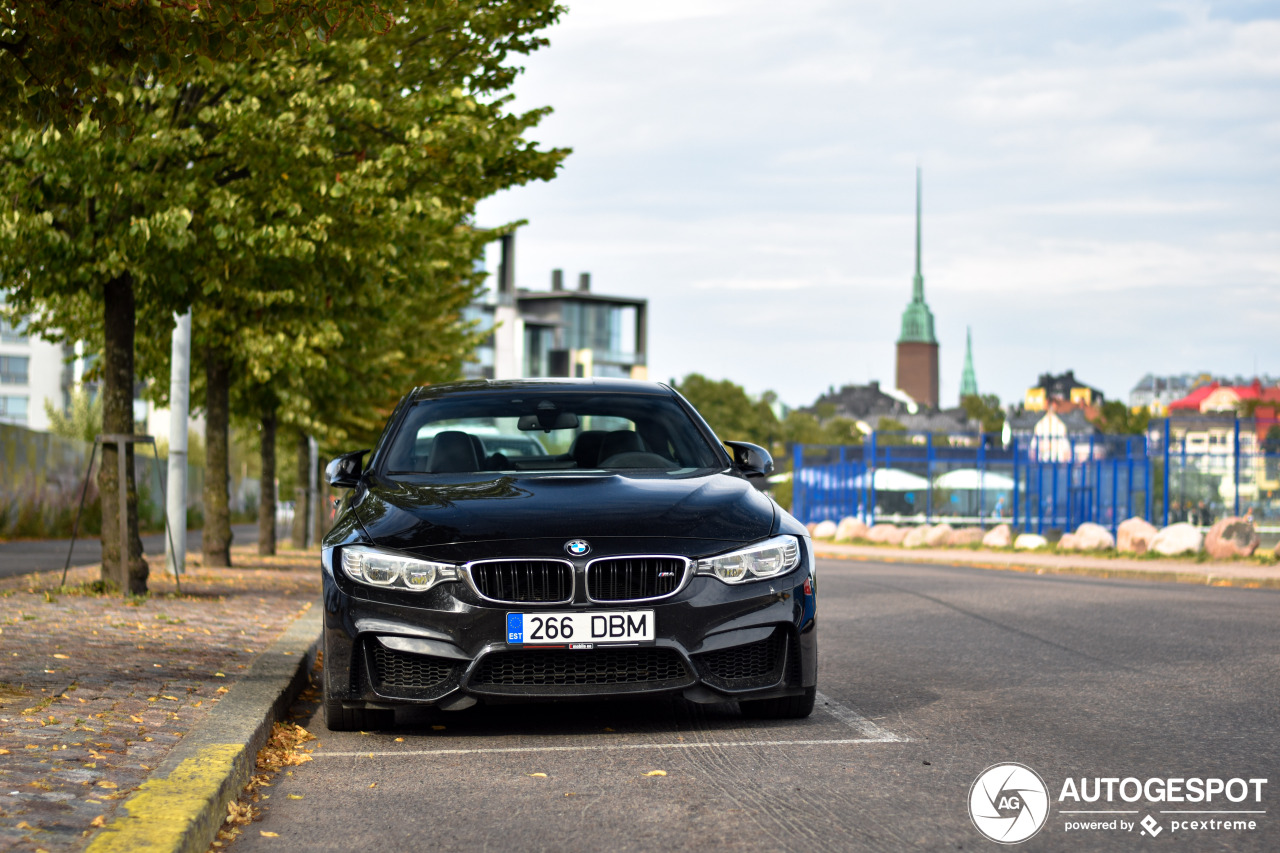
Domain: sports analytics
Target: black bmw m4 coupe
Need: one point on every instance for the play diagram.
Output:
(538, 540)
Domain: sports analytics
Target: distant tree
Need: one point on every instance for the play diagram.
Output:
(890, 431)
(728, 410)
(986, 410)
(1116, 418)
(811, 428)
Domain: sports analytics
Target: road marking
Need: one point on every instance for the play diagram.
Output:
(597, 747)
(851, 718)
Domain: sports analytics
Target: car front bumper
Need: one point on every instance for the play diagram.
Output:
(714, 642)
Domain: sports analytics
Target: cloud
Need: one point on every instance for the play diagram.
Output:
(1100, 184)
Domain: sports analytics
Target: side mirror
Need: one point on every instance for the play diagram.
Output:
(751, 459)
(345, 470)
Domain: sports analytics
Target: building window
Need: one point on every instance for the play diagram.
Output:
(13, 409)
(14, 370)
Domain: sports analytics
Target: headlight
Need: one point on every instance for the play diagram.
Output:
(765, 560)
(379, 568)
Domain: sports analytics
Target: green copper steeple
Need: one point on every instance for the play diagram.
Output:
(968, 379)
(917, 320)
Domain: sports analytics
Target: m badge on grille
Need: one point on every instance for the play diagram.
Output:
(577, 547)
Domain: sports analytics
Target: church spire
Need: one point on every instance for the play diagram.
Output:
(917, 285)
(968, 379)
(917, 320)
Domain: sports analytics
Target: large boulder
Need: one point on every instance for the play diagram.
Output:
(939, 535)
(888, 534)
(1029, 542)
(1069, 542)
(916, 536)
(850, 529)
(1134, 536)
(1000, 536)
(966, 536)
(1093, 537)
(1231, 537)
(1180, 538)
(824, 530)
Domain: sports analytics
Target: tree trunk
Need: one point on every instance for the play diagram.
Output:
(267, 491)
(217, 499)
(117, 418)
(301, 511)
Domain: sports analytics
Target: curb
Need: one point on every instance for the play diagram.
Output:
(1155, 575)
(184, 802)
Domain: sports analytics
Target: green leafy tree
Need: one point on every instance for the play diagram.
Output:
(294, 275)
(986, 410)
(60, 58)
(1116, 418)
(728, 410)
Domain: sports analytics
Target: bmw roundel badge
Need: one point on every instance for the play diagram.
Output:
(577, 547)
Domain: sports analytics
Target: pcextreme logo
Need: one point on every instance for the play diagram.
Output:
(1009, 803)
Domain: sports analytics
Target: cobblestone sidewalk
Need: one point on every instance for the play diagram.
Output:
(95, 690)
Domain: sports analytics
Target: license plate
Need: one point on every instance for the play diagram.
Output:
(561, 629)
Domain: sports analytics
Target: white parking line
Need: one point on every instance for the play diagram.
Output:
(602, 747)
(851, 718)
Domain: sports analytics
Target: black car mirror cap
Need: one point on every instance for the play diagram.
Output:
(345, 470)
(751, 459)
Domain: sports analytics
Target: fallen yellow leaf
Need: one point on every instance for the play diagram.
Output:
(135, 718)
(4, 752)
(656, 773)
(100, 820)
(295, 796)
(171, 698)
(105, 784)
(266, 834)
(399, 740)
(373, 784)
(538, 775)
(62, 657)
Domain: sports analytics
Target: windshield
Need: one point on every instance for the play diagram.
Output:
(547, 431)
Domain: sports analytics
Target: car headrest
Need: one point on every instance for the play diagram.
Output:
(585, 449)
(453, 452)
(620, 441)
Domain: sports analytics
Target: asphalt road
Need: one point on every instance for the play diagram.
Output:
(929, 675)
(42, 555)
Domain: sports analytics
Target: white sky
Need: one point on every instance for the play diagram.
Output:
(1101, 184)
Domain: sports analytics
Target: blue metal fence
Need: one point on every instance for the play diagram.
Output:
(1041, 484)
(1034, 483)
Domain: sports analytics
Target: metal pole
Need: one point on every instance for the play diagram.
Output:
(1166, 473)
(179, 409)
(871, 485)
(155, 454)
(928, 476)
(1014, 442)
(312, 490)
(1235, 449)
(1128, 501)
(1071, 463)
(982, 481)
(1115, 497)
(75, 525)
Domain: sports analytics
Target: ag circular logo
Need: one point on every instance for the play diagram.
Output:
(1008, 803)
(577, 547)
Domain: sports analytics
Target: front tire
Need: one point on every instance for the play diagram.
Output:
(782, 708)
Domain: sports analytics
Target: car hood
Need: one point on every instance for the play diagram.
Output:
(420, 512)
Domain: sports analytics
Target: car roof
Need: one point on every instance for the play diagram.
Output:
(482, 386)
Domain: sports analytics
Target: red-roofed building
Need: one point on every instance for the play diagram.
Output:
(1215, 397)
